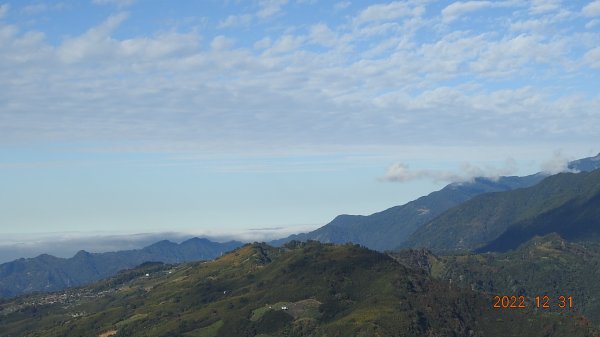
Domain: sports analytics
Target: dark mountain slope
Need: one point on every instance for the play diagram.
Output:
(300, 290)
(486, 217)
(576, 220)
(49, 273)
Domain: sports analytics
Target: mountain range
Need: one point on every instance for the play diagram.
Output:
(483, 214)
(298, 290)
(523, 237)
(49, 273)
(389, 229)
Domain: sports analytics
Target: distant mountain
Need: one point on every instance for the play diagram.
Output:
(585, 164)
(387, 230)
(48, 273)
(567, 203)
(300, 290)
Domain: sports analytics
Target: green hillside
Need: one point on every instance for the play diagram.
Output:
(299, 290)
(569, 198)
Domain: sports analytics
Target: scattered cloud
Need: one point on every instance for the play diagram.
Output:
(592, 9)
(35, 8)
(460, 8)
(119, 3)
(388, 12)
(221, 42)
(287, 43)
(592, 57)
(592, 23)
(231, 21)
(556, 164)
(4, 8)
(263, 43)
(401, 172)
(323, 35)
(268, 8)
(93, 44)
(341, 5)
(545, 6)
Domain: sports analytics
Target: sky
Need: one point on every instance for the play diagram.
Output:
(273, 116)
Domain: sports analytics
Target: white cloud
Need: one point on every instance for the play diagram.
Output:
(592, 57)
(268, 8)
(96, 42)
(592, 23)
(556, 164)
(35, 8)
(97, 45)
(592, 9)
(236, 21)
(287, 43)
(221, 42)
(545, 6)
(341, 5)
(323, 35)
(4, 8)
(263, 43)
(402, 173)
(119, 3)
(460, 8)
(510, 56)
(388, 12)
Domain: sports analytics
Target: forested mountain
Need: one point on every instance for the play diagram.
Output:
(566, 203)
(544, 266)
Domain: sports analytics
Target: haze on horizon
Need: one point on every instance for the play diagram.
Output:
(142, 117)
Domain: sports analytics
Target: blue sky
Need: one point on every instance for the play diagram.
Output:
(124, 116)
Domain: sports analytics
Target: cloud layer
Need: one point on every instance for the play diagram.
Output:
(390, 73)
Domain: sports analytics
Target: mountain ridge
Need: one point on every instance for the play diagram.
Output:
(487, 217)
(49, 273)
(387, 229)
